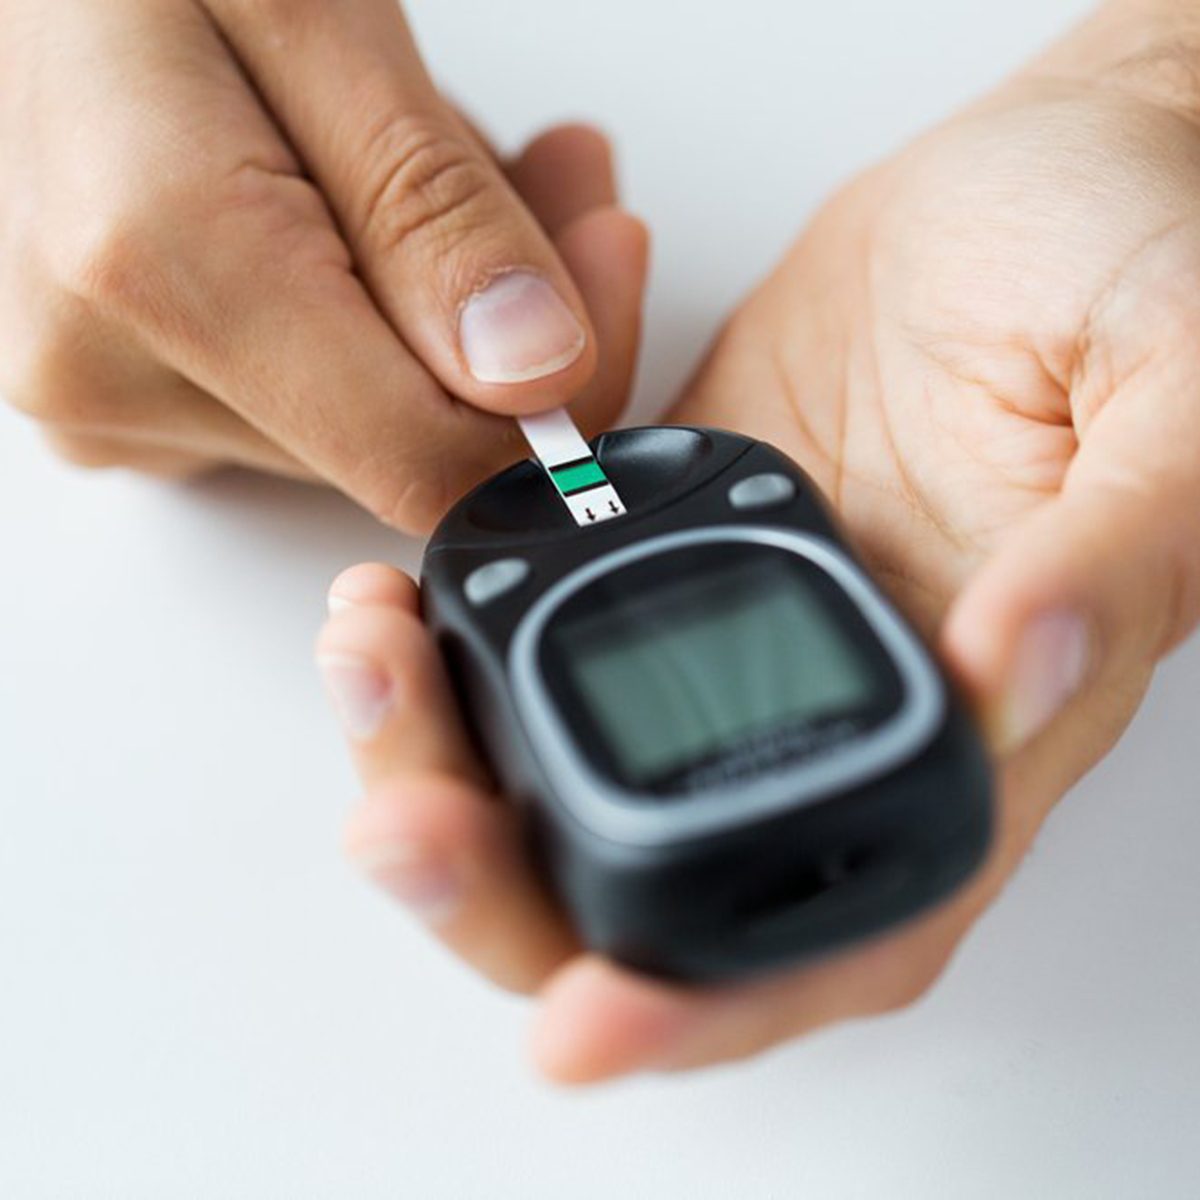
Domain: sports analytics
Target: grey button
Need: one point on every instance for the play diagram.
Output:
(762, 491)
(493, 579)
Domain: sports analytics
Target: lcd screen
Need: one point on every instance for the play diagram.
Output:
(675, 677)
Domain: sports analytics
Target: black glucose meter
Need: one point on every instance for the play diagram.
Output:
(732, 751)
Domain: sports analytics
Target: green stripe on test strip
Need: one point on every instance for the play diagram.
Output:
(577, 476)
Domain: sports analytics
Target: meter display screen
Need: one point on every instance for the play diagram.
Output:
(680, 674)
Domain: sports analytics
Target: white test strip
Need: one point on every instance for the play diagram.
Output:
(577, 476)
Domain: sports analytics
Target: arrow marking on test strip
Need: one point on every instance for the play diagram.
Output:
(578, 478)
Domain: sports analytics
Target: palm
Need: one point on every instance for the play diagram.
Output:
(916, 349)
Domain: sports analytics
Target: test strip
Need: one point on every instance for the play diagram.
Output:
(577, 476)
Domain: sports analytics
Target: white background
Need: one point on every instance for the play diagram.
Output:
(197, 999)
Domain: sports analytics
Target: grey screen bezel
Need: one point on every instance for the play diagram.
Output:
(612, 811)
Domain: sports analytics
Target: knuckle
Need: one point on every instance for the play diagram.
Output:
(1163, 71)
(276, 217)
(44, 382)
(414, 504)
(84, 450)
(446, 462)
(56, 408)
(107, 264)
(164, 262)
(413, 496)
(427, 186)
(416, 509)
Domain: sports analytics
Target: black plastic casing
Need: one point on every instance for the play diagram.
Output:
(760, 895)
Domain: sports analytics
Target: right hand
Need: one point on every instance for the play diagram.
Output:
(255, 233)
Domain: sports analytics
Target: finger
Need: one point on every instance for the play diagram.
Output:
(1064, 624)
(388, 686)
(599, 1020)
(451, 855)
(371, 584)
(97, 452)
(429, 834)
(563, 174)
(1053, 622)
(151, 410)
(460, 267)
(607, 251)
(167, 410)
(92, 379)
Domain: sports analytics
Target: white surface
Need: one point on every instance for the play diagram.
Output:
(196, 997)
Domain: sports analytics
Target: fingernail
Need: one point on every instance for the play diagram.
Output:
(427, 889)
(361, 693)
(337, 604)
(1051, 663)
(518, 328)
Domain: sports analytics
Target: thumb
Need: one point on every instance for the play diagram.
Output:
(1067, 620)
(459, 266)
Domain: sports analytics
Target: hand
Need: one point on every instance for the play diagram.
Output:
(985, 353)
(256, 234)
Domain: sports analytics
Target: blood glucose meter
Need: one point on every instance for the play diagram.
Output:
(731, 749)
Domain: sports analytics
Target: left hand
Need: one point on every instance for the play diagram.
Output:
(236, 232)
(985, 353)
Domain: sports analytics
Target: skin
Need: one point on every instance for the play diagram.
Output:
(251, 232)
(984, 351)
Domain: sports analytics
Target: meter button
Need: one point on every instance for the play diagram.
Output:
(762, 491)
(486, 583)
